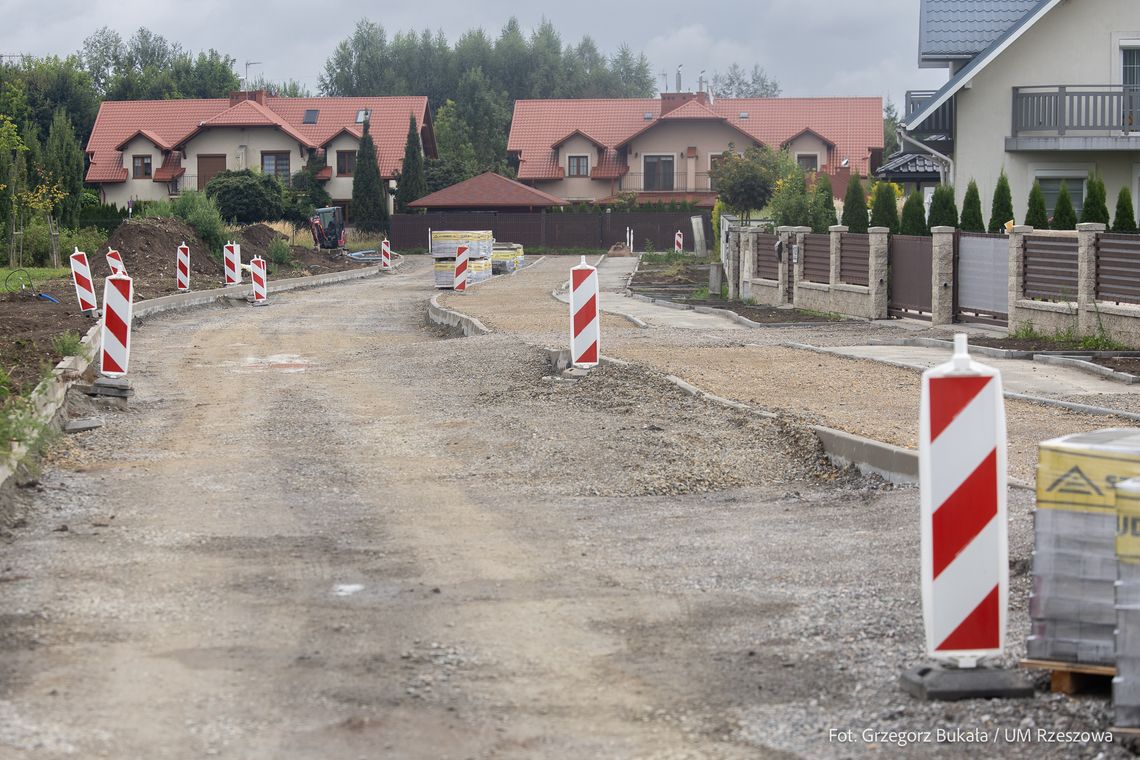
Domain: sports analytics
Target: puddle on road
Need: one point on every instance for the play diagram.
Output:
(286, 363)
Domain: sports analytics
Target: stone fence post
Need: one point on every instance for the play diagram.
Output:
(1016, 271)
(748, 262)
(798, 234)
(877, 271)
(836, 232)
(1087, 235)
(942, 276)
(733, 272)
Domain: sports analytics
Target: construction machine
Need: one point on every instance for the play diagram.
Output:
(327, 225)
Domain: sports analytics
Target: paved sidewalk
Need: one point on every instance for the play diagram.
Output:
(1018, 375)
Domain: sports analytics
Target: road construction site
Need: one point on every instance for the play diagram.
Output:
(331, 529)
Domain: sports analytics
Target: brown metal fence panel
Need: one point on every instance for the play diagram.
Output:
(911, 270)
(817, 258)
(1118, 268)
(524, 229)
(573, 231)
(764, 252)
(854, 258)
(1051, 268)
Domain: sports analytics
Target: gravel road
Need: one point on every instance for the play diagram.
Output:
(324, 530)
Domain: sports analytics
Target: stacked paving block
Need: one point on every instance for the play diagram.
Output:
(1126, 683)
(445, 244)
(1072, 607)
(507, 258)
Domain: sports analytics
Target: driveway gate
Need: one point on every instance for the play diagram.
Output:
(911, 271)
(981, 276)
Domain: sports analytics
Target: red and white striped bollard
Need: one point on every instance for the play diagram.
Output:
(231, 255)
(115, 262)
(962, 475)
(84, 285)
(679, 242)
(585, 339)
(385, 255)
(257, 277)
(461, 256)
(118, 306)
(183, 268)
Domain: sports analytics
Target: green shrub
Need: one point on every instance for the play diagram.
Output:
(1125, 217)
(105, 216)
(67, 344)
(972, 220)
(914, 216)
(279, 252)
(884, 208)
(855, 206)
(37, 242)
(200, 212)
(1064, 217)
(1096, 201)
(244, 197)
(1035, 215)
(822, 205)
(1002, 209)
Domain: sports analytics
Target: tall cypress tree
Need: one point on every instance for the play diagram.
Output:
(1064, 217)
(1096, 202)
(1002, 209)
(369, 195)
(1125, 217)
(884, 208)
(914, 216)
(412, 184)
(943, 209)
(855, 206)
(63, 160)
(822, 205)
(1035, 215)
(972, 210)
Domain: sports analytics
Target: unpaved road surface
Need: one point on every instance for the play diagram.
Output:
(322, 530)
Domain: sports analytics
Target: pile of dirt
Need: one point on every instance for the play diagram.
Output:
(255, 240)
(149, 248)
(30, 326)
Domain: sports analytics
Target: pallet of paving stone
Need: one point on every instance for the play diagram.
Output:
(1073, 678)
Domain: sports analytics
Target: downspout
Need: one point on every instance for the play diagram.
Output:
(947, 163)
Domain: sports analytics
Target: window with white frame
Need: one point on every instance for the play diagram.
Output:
(578, 166)
(809, 162)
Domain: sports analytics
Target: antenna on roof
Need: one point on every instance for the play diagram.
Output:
(245, 82)
(679, 65)
(664, 81)
(701, 81)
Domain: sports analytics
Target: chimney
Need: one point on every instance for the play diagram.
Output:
(237, 96)
(674, 100)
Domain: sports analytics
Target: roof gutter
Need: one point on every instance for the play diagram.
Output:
(945, 163)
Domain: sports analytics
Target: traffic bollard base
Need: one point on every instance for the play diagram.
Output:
(935, 683)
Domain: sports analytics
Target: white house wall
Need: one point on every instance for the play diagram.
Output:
(227, 141)
(340, 188)
(709, 138)
(142, 189)
(810, 145)
(1078, 42)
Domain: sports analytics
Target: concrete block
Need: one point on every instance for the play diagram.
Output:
(937, 683)
(83, 425)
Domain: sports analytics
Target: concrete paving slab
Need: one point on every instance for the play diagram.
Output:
(613, 275)
(1019, 376)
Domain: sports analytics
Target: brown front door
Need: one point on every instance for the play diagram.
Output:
(208, 166)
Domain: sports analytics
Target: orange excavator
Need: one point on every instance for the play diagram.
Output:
(327, 226)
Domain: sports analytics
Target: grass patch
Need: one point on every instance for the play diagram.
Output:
(1026, 331)
(830, 316)
(671, 258)
(67, 344)
(12, 280)
(1102, 343)
(701, 294)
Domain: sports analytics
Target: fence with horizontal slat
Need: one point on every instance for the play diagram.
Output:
(854, 258)
(1118, 268)
(817, 258)
(1051, 268)
(764, 252)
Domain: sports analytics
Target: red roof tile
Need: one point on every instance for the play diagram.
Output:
(854, 125)
(171, 167)
(169, 123)
(488, 190)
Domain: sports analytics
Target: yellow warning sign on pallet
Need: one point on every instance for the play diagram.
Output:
(1078, 473)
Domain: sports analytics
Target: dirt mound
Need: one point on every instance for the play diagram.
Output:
(149, 248)
(29, 327)
(255, 240)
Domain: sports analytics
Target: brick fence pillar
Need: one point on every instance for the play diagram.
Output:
(798, 235)
(1016, 271)
(836, 232)
(942, 276)
(877, 271)
(747, 262)
(733, 273)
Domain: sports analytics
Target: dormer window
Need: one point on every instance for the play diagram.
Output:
(141, 167)
(578, 166)
(311, 115)
(362, 115)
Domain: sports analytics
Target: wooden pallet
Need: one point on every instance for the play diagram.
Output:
(1071, 677)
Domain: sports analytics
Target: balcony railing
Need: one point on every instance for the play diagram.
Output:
(667, 183)
(1060, 109)
(939, 124)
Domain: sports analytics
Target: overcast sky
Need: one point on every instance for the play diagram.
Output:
(811, 47)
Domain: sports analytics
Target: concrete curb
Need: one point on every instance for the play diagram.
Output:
(1077, 363)
(993, 353)
(49, 396)
(441, 315)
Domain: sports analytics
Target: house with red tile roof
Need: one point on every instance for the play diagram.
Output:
(662, 149)
(488, 192)
(154, 149)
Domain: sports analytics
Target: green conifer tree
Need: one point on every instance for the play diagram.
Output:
(63, 160)
(822, 205)
(1035, 215)
(855, 206)
(412, 184)
(1064, 217)
(972, 220)
(943, 209)
(1096, 201)
(369, 195)
(1002, 209)
(1125, 216)
(914, 216)
(884, 208)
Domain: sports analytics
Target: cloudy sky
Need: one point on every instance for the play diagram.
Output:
(811, 47)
